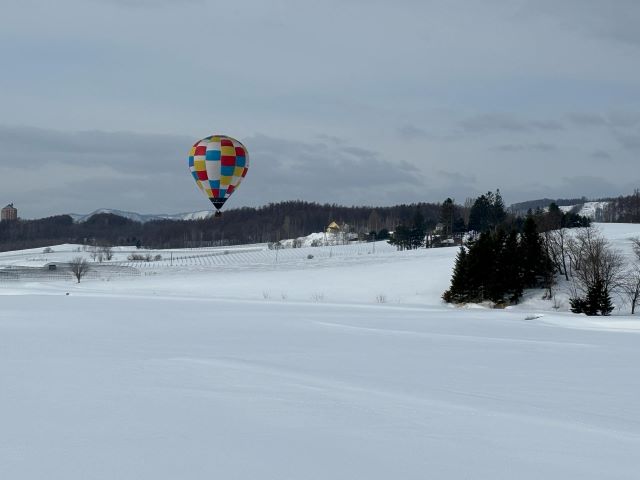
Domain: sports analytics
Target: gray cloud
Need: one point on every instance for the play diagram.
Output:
(587, 119)
(352, 116)
(81, 171)
(531, 147)
(150, 3)
(619, 119)
(601, 155)
(629, 141)
(502, 122)
(411, 132)
(326, 172)
(616, 21)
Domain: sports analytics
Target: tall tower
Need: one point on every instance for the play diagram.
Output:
(9, 213)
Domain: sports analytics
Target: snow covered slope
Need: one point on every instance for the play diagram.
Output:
(345, 365)
(587, 209)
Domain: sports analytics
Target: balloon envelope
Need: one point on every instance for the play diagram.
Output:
(218, 164)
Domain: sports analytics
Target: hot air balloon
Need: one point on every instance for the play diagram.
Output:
(218, 164)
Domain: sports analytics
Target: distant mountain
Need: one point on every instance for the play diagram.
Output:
(142, 218)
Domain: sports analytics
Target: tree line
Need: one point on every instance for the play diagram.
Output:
(624, 209)
(485, 213)
(499, 265)
(270, 223)
(504, 260)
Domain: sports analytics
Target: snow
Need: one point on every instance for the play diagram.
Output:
(142, 218)
(587, 209)
(245, 365)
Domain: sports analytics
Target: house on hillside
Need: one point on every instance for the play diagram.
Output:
(333, 228)
(9, 213)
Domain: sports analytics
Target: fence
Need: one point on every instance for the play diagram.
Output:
(63, 273)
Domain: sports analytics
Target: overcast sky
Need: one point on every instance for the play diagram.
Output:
(352, 101)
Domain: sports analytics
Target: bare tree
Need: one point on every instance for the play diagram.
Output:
(631, 287)
(636, 246)
(466, 209)
(597, 266)
(79, 268)
(557, 243)
(107, 253)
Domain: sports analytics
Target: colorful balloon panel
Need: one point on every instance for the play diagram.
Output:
(218, 164)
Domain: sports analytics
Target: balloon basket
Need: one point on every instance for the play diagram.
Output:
(217, 214)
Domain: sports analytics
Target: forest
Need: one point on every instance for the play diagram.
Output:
(415, 225)
(270, 223)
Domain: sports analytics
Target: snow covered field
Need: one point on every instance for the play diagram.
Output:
(241, 365)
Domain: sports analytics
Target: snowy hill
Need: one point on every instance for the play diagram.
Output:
(588, 209)
(338, 362)
(142, 218)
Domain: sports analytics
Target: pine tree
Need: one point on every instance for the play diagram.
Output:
(481, 262)
(447, 214)
(418, 230)
(479, 214)
(578, 305)
(606, 305)
(593, 299)
(532, 253)
(459, 290)
(512, 268)
(401, 237)
(499, 212)
(495, 282)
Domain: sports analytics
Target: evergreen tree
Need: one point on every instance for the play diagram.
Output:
(494, 279)
(459, 290)
(512, 268)
(383, 234)
(487, 212)
(481, 262)
(418, 230)
(555, 217)
(532, 253)
(578, 305)
(498, 210)
(597, 302)
(606, 305)
(401, 237)
(459, 225)
(493, 267)
(594, 299)
(447, 216)
(480, 214)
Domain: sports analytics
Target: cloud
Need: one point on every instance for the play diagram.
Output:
(442, 89)
(81, 171)
(151, 3)
(615, 21)
(618, 119)
(126, 152)
(456, 178)
(411, 132)
(327, 172)
(587, 119)
(601, 155)
(531, 147)
(629, 141)
(502, 122)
